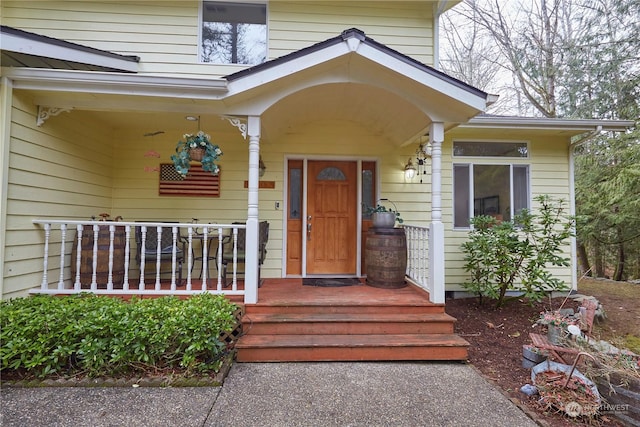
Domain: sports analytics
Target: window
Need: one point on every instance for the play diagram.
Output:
(490, 149)
(496, 190)
(234, 33)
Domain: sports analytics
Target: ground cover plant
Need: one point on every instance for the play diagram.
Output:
(44, 336)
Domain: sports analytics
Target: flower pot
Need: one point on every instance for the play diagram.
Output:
(196, 154)
(384, 219)
(533, 354)
(554, 334)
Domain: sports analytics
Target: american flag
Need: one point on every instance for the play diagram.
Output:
(197, 182)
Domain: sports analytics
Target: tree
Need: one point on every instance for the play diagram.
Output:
(580, 58)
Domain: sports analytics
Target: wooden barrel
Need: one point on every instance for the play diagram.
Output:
(102, 265)
(385, 257)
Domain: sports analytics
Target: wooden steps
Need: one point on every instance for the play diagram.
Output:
(348, 324)
(359, 326)
(308, 348)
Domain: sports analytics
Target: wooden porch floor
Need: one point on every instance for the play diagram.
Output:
(292, 292)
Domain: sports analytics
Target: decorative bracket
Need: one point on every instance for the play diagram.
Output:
(241, 124)
(45, 112)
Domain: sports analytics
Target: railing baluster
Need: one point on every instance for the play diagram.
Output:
(174, 256)
(63, 239)
(235, 259)
(205, 257)
(158, 255)
(112, 233)
(219, 260)
(190, 260)
(94, 271)
(45, 263)
(143, 253)
(76, 284)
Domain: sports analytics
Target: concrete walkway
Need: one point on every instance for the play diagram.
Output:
(281, 394)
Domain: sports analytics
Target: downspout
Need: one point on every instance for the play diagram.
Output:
(6, 96)
(572, 196)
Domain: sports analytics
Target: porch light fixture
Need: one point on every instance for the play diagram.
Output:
(423, 152)
(409, 170)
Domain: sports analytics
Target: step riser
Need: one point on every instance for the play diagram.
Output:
(324, 354)
(348, 328)
(350, 309)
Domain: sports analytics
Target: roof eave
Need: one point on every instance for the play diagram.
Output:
(114, 83)
(548, 123)
(15, 40)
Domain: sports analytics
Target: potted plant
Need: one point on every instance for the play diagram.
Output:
(199, 148)
(382, 216)
(556, 323)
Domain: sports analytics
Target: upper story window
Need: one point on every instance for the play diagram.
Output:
(490, 149)
(234, 33)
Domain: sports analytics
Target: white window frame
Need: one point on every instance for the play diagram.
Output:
(200, 24)
(472, 161)
(493, 141)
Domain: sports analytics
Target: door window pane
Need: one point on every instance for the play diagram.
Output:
(295, 193)
(234, 33)
(331, 174)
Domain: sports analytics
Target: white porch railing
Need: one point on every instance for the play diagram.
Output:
(418, 256)
(111, 259)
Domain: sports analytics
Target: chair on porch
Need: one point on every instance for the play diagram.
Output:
(563, 353)
(227, 253)
(166, 248)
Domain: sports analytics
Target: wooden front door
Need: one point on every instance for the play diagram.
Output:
(331, 238)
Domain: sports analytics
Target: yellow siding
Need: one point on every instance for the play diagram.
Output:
(549, 172)
(59, 170)
(164, 34)
(403, 26)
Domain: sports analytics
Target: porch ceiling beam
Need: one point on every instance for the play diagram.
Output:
(128, 104)
(116, 84)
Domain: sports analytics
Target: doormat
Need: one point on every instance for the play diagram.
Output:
(331, 282)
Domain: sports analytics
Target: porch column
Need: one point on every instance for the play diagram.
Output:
(251, 245)
(436, 228)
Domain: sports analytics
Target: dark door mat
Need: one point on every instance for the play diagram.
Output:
(331, 282)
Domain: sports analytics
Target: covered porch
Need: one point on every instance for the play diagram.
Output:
(88, 142)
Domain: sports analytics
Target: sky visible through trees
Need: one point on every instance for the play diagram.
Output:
(571, 59)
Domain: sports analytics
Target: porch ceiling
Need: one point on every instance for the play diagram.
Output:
(382, 112)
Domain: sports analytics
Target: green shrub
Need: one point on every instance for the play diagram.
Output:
(515, 255)
(98, 335)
